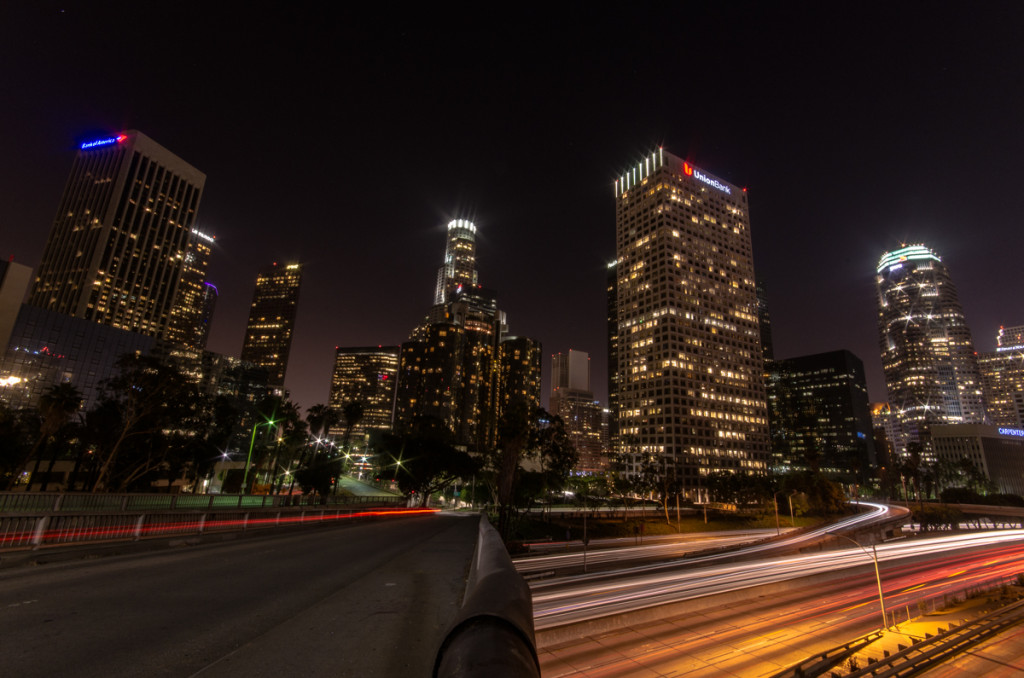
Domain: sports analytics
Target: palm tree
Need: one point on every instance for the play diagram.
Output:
(56, 407)
(353, 413)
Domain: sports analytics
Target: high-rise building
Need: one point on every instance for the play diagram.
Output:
(459, 267)
(47, 348)
(691, 392)
(450, 369)
(519, 378)
(367, 375)
(583, 417)
(14, 282)
(931, 369)
(764, 321)
(193, 310)
(430, 377)
(117, 249)
(819, 415)
(570, 371)
(1002, 378)
(268, 336)
(612, 301)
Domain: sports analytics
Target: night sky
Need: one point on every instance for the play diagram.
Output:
(346, 140)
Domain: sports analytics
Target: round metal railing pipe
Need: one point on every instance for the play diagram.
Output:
(492, 637)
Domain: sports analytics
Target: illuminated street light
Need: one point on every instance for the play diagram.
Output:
(878, 577)
(248, 460)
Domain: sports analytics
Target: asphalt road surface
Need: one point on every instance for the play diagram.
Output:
(366, 600)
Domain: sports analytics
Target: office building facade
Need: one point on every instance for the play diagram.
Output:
(271, 326)
(47, 348)
(197, 298)
(690, 393)
(819, 416)
(998, 452)
(117, 249)
(519, 378)
(584, 419)
(931, 369)
(612, 321)
(367, 375)
(1002, 378)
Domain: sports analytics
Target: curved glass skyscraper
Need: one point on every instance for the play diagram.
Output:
(931, 369)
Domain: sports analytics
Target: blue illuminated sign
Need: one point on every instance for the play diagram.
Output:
(104, 142)
(1019, 432)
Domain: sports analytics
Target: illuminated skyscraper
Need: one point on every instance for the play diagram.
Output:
(117, 249)
(268, 336)
(367, 375)
(193, 310)
(583, 417)
(451, 368)
(612, 302)
(1002, 378)
(519, 363)
(691, 392)
(931, 370)
(459, 266)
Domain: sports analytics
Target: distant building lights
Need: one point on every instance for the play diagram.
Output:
(909, 253)
(463, 224)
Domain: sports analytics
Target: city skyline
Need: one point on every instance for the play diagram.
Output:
(847, 152)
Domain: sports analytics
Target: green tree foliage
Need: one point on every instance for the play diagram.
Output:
(151, 418)
(17, 430)
(58, 404)
(424, 462)
(529, 436)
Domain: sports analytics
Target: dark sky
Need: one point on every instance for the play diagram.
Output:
(347, 139)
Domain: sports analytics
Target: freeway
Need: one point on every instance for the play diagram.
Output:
(763, 633)
(585, 598)
(605, 552)
(364, 600)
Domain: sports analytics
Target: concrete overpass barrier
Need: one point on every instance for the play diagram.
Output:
(35, 520)
(493, 636)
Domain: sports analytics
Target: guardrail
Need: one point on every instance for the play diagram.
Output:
(934, 649)
(821, 662)
(497, 612)
(34, 520)
(55, 502)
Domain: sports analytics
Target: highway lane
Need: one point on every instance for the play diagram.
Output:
(364, 600)
(586, 597)
(618, 563)
(760, 636)
(619, 552)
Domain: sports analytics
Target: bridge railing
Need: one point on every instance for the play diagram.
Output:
(55, 502)
(33, 520)
(497, 612)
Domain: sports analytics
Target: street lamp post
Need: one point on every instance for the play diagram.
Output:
(248, 460)
(775, 501)
(792, 520)
(878, 577)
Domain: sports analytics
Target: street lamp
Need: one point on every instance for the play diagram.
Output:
(775, 500)
(248, 460)
(878, 577)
